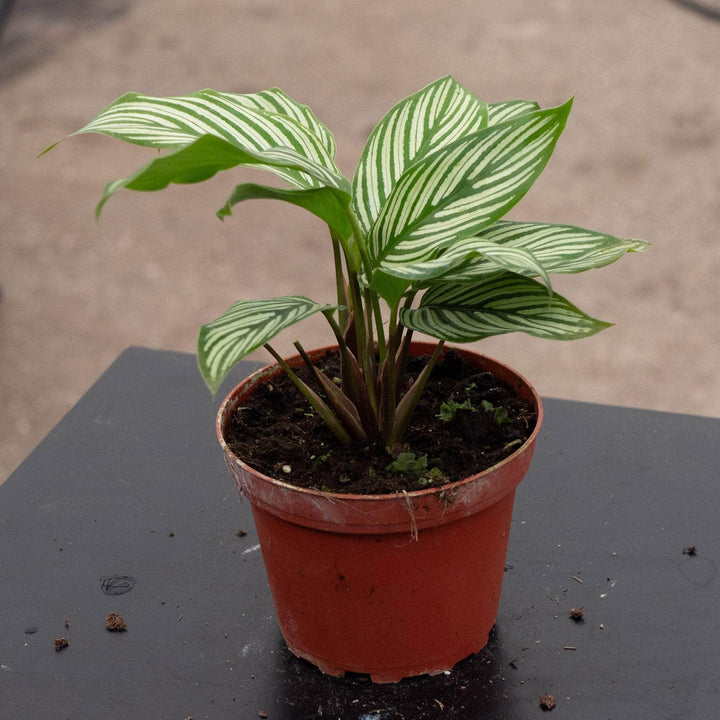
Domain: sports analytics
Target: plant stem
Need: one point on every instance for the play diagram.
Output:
(360, 241)
(338, 401)
(313, 398)
(408, 403)
(365, 351)
(364, 313)
(337, 332)
(390, 365)
(406, 339)
(339, 279)
(354, 383)
(372, 301)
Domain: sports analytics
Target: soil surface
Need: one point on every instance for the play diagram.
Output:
(484, 421)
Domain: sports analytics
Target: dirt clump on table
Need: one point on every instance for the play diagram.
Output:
(115, 623)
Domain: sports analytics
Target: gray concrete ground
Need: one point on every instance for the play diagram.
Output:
(640, 158)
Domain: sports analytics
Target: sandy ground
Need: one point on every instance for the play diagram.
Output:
(640, 158)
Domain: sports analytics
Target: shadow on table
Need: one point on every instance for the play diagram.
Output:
(477, 684)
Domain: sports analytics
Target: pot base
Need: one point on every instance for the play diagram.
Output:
(390, 675)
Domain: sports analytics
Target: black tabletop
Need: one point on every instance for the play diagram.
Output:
(126, 507)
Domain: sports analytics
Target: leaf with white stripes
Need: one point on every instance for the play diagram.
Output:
(431, 118)
(209, 155)
(264, 119)
(244, 327)
(477, 249)
(558, 248)
(507, 303)
(464, 187)
(507, 110)
(267, 129)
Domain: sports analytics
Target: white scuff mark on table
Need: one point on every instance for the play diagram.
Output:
(612, 585)
(253, 548)
(105, 420)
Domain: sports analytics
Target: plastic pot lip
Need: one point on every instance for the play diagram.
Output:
(505, 372)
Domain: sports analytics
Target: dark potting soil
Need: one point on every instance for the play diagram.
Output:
(277, 433)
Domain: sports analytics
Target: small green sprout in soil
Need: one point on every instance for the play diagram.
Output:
(319, 460)
(449, 409)
(434, 476)
(500, 413)
(407, 463)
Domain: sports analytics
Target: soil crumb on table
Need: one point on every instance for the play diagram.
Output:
(115, 623)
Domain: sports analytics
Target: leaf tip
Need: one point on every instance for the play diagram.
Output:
(48, 149)
(638, 245)
(224, 212)
(566, 107)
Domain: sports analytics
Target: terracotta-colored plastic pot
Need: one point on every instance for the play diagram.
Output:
(389, 585)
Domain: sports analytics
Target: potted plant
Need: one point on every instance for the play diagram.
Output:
(404, 578)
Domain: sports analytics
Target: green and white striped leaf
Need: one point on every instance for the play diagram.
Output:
(431, 118)
(479, 249)
(244, 327)
(558, 248)
(507, 303)
(207, 156)
(329, 204)
(268, 130)
(507, 110)
(464, 187)
(256, 120)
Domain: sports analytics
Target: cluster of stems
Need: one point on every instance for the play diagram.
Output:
(372, 402)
